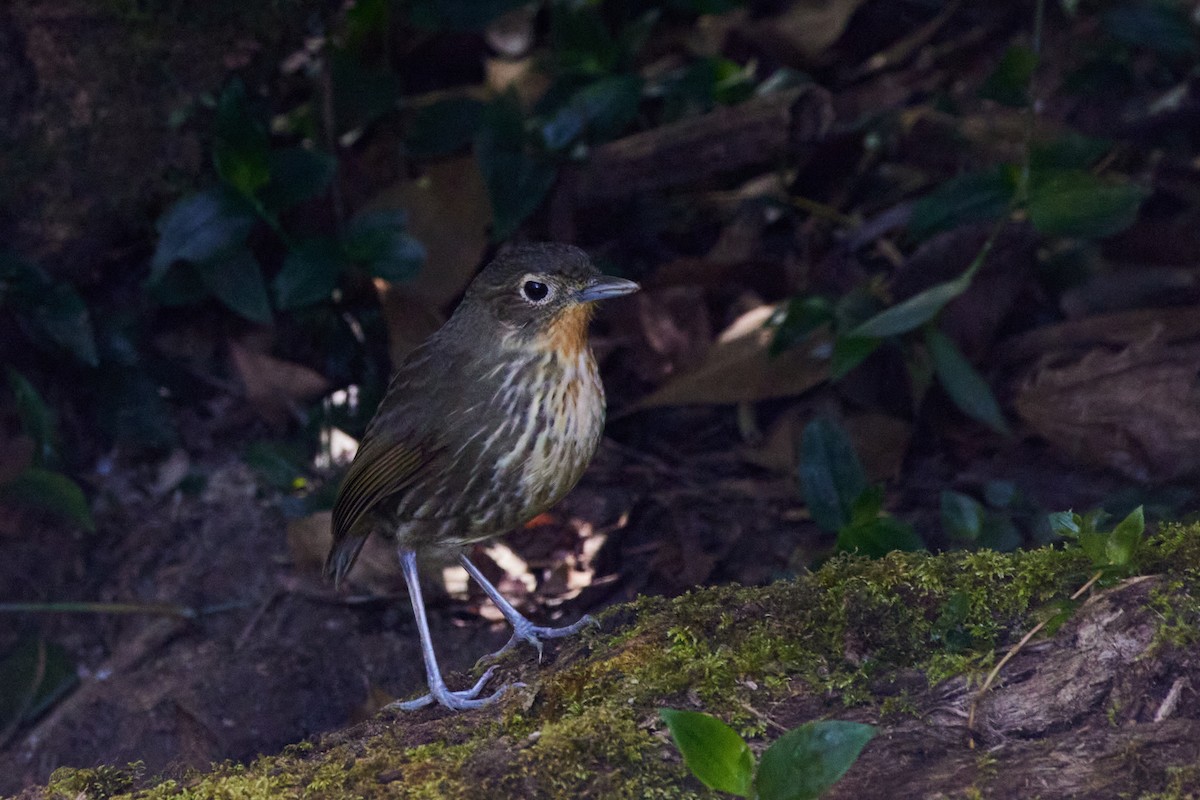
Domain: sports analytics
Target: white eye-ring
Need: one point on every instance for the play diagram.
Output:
(536, 291)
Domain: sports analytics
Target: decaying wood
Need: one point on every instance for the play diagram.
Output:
(1105, 707)
(758, 132)
(1077, 336)
(1074, 716)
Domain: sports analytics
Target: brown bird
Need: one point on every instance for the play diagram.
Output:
(484, 426)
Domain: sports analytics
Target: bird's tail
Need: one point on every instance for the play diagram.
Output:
(342, 556)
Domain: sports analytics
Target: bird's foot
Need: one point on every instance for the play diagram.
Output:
(456, 701)
(526, 631)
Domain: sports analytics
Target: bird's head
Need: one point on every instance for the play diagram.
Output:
(542, 294)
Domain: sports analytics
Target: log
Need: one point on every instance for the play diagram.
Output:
(759, 132)
(1104, 706)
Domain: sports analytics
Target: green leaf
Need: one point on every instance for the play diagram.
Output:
(876, 537)
(962, 516)
(280, 464)
(999, 533)
(37, 418)
(400, 260)
(704, 84)
(54, 309)
(297, 174)
(1002, 494)
(198, 227)
(1078, 203)
(1068, 151)
(974, 197)
(1009, 83)
(1126, 538)
(712, 750)
(1095, 546)
(1064, 523)
(361, 93)
(581, 43)
(377, 240)
(830, 473)
(444, 127)
(1156, 26)
(33, 676)
(240, 149)
(868, 505)
(603, 108)
(517, 181)
(235, 278)
(50, 491)
(800, 318)
(803, 763)
(367, 233)
(63, 317)
(309, 275)
(966, 387)
(912, 313)
(180, 286)
(849, 352)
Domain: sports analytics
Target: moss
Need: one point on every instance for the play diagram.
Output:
(97, 783)
(899, 706)
(602, 755)
(1183, 783)
(834, 631)
(1177, 598)
(589, 727)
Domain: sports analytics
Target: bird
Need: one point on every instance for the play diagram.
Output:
(486, 424)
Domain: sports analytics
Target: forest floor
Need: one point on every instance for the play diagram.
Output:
(224, 641)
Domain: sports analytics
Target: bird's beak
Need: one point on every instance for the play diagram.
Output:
(604, 287)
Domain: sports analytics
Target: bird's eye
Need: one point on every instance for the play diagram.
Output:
(535, 291)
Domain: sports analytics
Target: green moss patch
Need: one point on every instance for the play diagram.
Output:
(587, 726)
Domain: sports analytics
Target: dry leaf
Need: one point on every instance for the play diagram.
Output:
(1136, 411)
(674, 330)
(377, 570)
(881, 442)
(502, 74)
(409, 320)
(171, 472)
(274, 386)
(805, 30)
(513, 34)
(449, 212)
(309, 539)
(739, 368)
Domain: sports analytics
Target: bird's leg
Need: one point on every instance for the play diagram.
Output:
(523, 629)
(457, 701)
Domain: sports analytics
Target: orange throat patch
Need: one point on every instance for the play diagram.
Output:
(567, 333)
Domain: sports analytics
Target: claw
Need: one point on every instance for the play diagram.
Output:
(457, 701)
(523, 629)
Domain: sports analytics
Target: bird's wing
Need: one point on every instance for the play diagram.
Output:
(382, 468)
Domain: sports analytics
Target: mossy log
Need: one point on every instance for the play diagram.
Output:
(1102, 704)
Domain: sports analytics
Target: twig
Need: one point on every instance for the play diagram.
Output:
(156, 609)
(255, 618)
(1012, 651)
(902, 50)
(760, 715)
